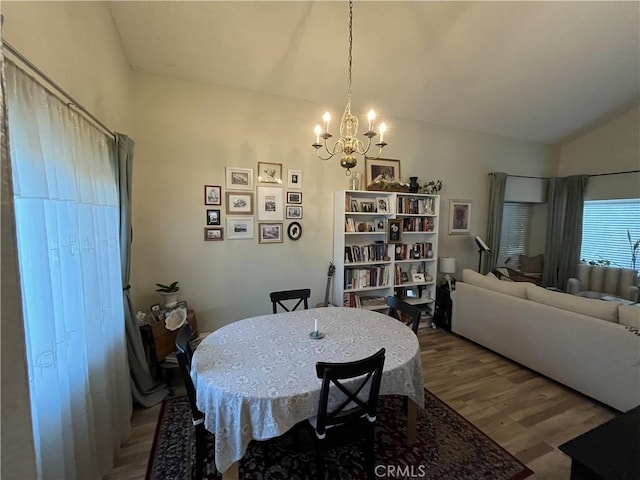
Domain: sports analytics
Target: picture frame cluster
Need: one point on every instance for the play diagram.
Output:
(247, 197)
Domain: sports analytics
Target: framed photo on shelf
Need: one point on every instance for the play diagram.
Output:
(394, 234)
(382, 204)
(213, 217)
(294, 231)
(379, 224)
(367, 206)
(294, 197)
(212, 195)
(294, 211)
(213, 234)
(354, 207)
(382, 169)
(269, 232)
(270, 203)
(239, 228)
(417, 277)
(239, 178)
(269, 172)
(294, 179)
(459, 217)
(239, 203)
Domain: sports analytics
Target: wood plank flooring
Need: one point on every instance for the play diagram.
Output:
(527, 414)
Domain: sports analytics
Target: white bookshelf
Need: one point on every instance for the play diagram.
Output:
(367, 265)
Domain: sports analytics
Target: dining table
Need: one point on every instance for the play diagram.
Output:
(255, 378)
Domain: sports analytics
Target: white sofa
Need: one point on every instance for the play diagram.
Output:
(592, 346)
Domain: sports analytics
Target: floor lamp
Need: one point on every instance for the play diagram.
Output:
(448, 266)
(483, 249)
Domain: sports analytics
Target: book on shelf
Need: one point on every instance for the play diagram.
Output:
(372, 301)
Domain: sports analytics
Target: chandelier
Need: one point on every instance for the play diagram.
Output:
(348, 144)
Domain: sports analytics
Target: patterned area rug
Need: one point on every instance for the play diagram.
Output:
(448, 448)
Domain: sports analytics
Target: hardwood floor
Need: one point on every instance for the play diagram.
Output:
(527, 414)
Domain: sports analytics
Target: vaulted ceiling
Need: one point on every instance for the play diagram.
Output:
(541, 71)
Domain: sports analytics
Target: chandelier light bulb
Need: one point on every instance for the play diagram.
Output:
(371, 116)
(317, 131)
(326, 118)
(383, 128)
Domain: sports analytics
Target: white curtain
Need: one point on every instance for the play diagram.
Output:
(66, 209)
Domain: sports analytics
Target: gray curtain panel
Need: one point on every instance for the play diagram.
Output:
(144, 389)
(494, 223)
(564, 229)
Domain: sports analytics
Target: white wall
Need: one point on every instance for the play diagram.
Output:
(77, 46)
(613, 147)
(186, 133)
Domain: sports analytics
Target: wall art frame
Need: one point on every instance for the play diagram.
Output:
(381, 169)
(460, 217)
(212, 195)
(213, 234)
(270, 203)
(240, 228)
(239, 178)
(269, 172)
(239, 203)
(294, 231)
(269, 232)
(294, 198)
(213, 216)
(294, 179)
(294, 212)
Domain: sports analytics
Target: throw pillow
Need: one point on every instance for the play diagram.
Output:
(531, 264)
(629, 315)
(585, 306)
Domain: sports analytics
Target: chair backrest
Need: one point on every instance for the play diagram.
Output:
(184, 354)
(398, 307)
(349, 378)
(606, 279)
(302, 295)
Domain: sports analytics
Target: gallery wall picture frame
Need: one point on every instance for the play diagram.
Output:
(294, 231)
(394, 230)
(382, 169)
(269, 232)
(239, 203)
(240, 228)
(270, 203)
(294, 198)
(213, 216)
(239, 178)
(212, 195)
(213, 234)
(459, 217)
(294, 211)
(294, 179)
(269, 172)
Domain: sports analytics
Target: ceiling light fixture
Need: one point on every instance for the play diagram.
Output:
(348, 144)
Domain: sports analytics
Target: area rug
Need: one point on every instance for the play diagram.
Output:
(448, 448)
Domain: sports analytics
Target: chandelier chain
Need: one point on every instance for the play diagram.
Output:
(350, 44)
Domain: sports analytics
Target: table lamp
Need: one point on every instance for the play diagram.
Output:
(448, 266)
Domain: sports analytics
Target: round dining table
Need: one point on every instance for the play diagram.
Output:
(255, 378)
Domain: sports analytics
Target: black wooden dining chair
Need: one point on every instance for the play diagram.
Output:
(399, 308)
(354, 418)
(302, 296)
(184, 354)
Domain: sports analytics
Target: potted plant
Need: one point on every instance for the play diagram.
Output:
(170, 293)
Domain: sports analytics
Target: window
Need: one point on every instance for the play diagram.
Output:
(604, 231)
(514, 240)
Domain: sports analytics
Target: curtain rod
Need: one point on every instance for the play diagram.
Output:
(592, 175)
(73, 103)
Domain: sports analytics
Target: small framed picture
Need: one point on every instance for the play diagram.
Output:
(379, 224)
(270, 233)
(367, 207)
(294, 197)
(294, 211)
(239, 178)
(382, 205)
(417, 277)
(394, 231)
(459, 217)
(404, 276)
(240, 203)
(294, 231)
(213, 217)
(270, 205)
(212, 195)
(213, 234)
(182, 304)
(239, 228)
(269, 172)
(294, 179)
(156, 311)
(354, 205)
(377, 169)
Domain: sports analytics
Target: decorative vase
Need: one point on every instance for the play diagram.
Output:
(414, 186)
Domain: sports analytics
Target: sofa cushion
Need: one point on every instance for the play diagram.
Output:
(629, 315)
(516, 289)
(586, 306)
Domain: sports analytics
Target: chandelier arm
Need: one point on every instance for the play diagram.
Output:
(323, 158)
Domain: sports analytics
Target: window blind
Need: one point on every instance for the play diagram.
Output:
(514, 240)
(604, 231)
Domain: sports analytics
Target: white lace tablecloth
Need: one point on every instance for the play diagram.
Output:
(256, 378)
